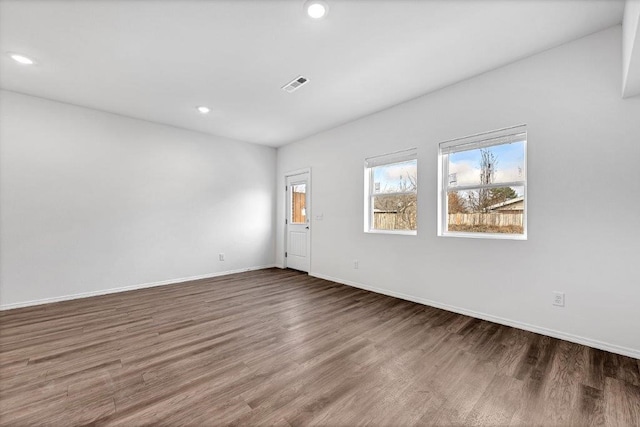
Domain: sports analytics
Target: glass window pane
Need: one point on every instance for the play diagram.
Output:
(395, 177)
(394, 212)
(496, 164)
(298, 204)
(496, 210)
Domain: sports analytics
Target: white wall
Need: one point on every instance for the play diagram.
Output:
(584, 204)
(631, 49)
(92, 201)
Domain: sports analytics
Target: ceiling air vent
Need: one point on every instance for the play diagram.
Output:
(295, 84)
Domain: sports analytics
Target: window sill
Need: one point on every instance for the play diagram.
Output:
(495, 236)
(399, 232)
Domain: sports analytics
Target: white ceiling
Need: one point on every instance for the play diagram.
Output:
(158, 60)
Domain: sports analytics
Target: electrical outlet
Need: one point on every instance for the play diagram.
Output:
(221, 257)
(356, 264)
(558, 298)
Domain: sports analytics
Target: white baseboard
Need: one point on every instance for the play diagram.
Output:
(128, 288)
(613, 348)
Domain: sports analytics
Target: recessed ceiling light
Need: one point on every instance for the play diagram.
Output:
(21, 59)
(203, 110)
(317, 9)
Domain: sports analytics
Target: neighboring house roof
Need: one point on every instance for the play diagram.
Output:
(506, 203)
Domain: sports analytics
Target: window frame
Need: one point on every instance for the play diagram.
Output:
(477, 141)
(384, 160)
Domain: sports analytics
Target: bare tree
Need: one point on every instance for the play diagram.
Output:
(455, 203)
(404, 206)
(488, 165)
(480, 201)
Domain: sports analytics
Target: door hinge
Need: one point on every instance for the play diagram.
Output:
(286, 221)
(285, 254)
(286, 188)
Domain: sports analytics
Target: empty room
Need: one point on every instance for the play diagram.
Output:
(320, 212)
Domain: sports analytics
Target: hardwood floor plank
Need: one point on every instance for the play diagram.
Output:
(277, 347)
(498, 403)
(463, 392)
(622, 403)
(591, 407)
(562, 388)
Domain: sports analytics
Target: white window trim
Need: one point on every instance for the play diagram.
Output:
(381, 160)
(481, 140)
(398, 232)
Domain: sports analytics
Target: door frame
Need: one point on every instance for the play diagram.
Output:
(309, 207)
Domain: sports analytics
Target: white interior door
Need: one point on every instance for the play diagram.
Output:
(297, 255)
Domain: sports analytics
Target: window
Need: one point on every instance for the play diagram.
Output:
(483, 185)
(391, 193)
(299, 203)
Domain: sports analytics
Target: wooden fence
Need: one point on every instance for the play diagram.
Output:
(298, 205)
(394, 221)
(492, 219)
(385, 220)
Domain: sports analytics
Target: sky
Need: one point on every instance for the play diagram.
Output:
(509, 167)
(389, 176)
(465, 164)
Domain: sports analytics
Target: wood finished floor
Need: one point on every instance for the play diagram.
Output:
(277, 347)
